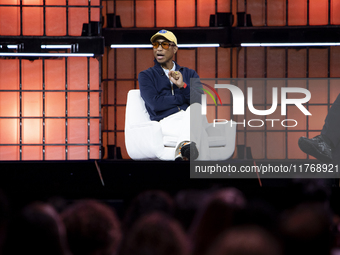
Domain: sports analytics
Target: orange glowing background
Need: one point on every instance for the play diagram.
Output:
(32, 17)
(120, 68)
(39, 89)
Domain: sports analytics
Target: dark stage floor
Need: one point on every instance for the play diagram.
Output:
(27, 181)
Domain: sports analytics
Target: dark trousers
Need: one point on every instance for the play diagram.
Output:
(331, 128)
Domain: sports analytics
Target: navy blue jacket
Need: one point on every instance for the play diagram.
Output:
(160, 99)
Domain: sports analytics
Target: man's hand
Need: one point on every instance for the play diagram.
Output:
(177, 78)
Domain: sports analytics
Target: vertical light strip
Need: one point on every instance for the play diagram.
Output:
(99, 108)
(115, 98)
(43, 107)
(20, 109)
(66, 114)
(88, 109)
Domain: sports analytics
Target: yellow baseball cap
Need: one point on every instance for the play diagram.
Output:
(166, 34)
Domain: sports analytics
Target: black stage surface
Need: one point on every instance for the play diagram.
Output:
(27, 181)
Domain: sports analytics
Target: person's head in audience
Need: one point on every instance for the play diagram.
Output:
(37, 229)
(187, 204)
(246, 240)
(306, 229)
(92, 228)
(155, 234)
(260, 212)
(218, 215)
(145, 203)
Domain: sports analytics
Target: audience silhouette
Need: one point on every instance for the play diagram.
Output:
(92, 228)
(219, 221)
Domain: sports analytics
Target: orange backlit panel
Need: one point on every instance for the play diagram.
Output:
(186, 13)
(49, 108)
(45, 115)
(9, 18)
(50, 19)
(318, 12)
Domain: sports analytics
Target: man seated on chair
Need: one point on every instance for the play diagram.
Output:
(165, 89)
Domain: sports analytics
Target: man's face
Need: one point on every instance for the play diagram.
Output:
(164, 55)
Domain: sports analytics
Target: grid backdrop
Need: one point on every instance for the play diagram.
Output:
(121, 66)
(49, 108)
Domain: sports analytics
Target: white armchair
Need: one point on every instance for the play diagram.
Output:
(144, 139)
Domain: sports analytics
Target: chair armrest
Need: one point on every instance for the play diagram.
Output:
(221, 129)
(229, 132)
(135, 108)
